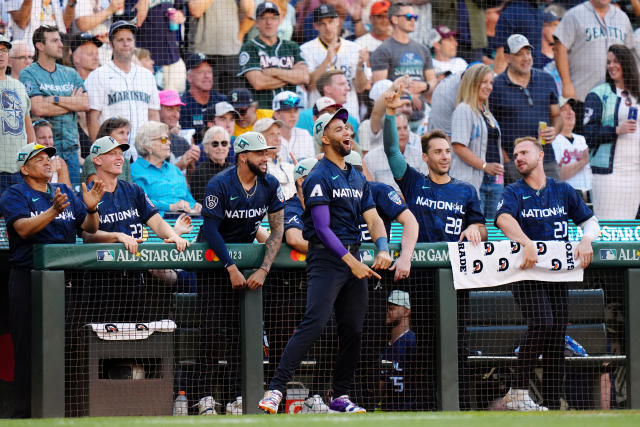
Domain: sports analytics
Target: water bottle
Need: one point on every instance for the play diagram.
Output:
(181, 406)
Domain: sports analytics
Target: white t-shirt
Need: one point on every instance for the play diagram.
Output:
(91, 7)
(301, 145)
(368, 42)
(455, 65)
(567, 153)
(128, 95)
(380, 171)
(283, 172)
(313, 52)
(369, 141)
(40, 15)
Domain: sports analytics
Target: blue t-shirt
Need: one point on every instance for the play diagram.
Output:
(389, 205)
(193, 114)
(544, 214)
(401, 379)
(443, 211)
(522, 17)
(164, 186)
(345, 191)
(22, 201)
(517, 117)
(293, 211)
(240, 212)
(62, 82)
(125, 210)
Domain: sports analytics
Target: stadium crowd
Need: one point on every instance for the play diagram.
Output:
(174, 87)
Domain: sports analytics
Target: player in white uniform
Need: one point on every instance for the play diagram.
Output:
(122, 89)
(329, 51)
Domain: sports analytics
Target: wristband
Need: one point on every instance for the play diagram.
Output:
(92, 211)
(263, 269)
(382, 244)
(355, 21)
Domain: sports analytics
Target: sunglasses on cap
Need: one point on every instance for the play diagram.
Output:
(409, 16)
(291, 102)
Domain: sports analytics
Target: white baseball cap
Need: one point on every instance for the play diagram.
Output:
(378, 88)
(304, 167)
(250, 141)
(400, 298)
(515, 42)
(265, 123)
(105, 144)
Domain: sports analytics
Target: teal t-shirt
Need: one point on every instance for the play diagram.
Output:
(62, 82)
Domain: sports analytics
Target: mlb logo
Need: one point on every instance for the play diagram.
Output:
(608, 254)
(105, 255)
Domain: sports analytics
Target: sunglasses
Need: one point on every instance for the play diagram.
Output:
(242, 111)
(291, 102)
(627, 98)
(529, 99)
(162, 139)
(410, 16)
(214, 144)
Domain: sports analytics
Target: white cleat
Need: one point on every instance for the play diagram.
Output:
(207, 406)
(519, 400)
(314, 405)
(235, 407)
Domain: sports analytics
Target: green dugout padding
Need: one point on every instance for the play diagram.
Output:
(48, 307)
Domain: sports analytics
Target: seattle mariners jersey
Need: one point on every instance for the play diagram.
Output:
(345, 191)
(128, 95)
(125, 210)
(588, 37)
(346, 60)
(293, 211)
(15, 105)
(544, 214)
(400, 379)
(239, 211)
(62, 82)
(388, 204)
(443, 211)
(22, 201)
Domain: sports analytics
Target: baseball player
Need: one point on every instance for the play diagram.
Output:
(539, 208)
(236, 200)
(335, 195)
(121, 88)
(36, 211)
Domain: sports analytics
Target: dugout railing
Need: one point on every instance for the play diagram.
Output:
(616, 262)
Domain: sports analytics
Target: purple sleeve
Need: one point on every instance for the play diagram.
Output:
(321, 218)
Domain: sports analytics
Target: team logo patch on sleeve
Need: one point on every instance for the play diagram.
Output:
(316, 192)
(243, 59)
(500, 203)
(280, 194)
(394, 197)
(149, 200)
(211, 201)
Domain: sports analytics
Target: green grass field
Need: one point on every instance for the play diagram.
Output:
(432, 419)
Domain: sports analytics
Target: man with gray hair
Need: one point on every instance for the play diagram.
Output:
(20, 57)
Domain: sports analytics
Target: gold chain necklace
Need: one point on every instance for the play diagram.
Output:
(255, 188)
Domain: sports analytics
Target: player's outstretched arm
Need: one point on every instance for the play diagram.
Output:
(410, 229)
(378, 235)
(166, 232)
(271, 248)
(512, 230)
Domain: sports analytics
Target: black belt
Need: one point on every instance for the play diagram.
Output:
(353, 248)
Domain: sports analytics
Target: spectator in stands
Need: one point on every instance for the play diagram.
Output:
(444, 45)
(185, 153)
(248, 112)
(332, 85)
(329, 51)
(37, 212)
(28, 16)
(399, 55)
(380, 27)
(57, 94)
(200, 95)
(17, 129)
(44, 136)
(20, 57)
(551, 19)
(92, 13)
(572, 152)
(215, 144)
(271, 65)
(117, 128)
(443, 102)
(475, 137)
(613, 135)
(350, 14)
(522, 97)
(214, 30)
(163, 182)
(295, 141)
(581, 48)
(224, 115)
(277, 165)
(142, 57)
(121, 88)
(158, 30)
(519, 17)
(84, 51)
(376, 160)
(287, 21)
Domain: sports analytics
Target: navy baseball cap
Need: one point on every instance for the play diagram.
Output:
(120, 25)
(194, 60)
(265, 7)
(324, 11)
(78, 39)
(240, 98)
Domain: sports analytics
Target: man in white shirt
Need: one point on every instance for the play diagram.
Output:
(296, 142)
(27, 15)
(276, 165)
(329, 51)
(380, 27)
(445, 46)
(122, 89)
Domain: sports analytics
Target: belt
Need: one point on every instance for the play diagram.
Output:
(353, 248)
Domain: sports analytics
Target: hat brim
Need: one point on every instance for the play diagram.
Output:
(124, 146)
(520, 48)
(320, 18)
(271, 9)
(127, 26)
(51, 151)
(7, 44)
(266, 147)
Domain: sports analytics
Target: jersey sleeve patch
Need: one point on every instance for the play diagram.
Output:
(211, 201)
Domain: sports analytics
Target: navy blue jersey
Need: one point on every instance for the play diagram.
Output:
(293, 211)
(400, 379)
(544, 214)
(389, 205)
(345, 191)
(125, 210)
(443, 211)
(240, 212)
(22, 201)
